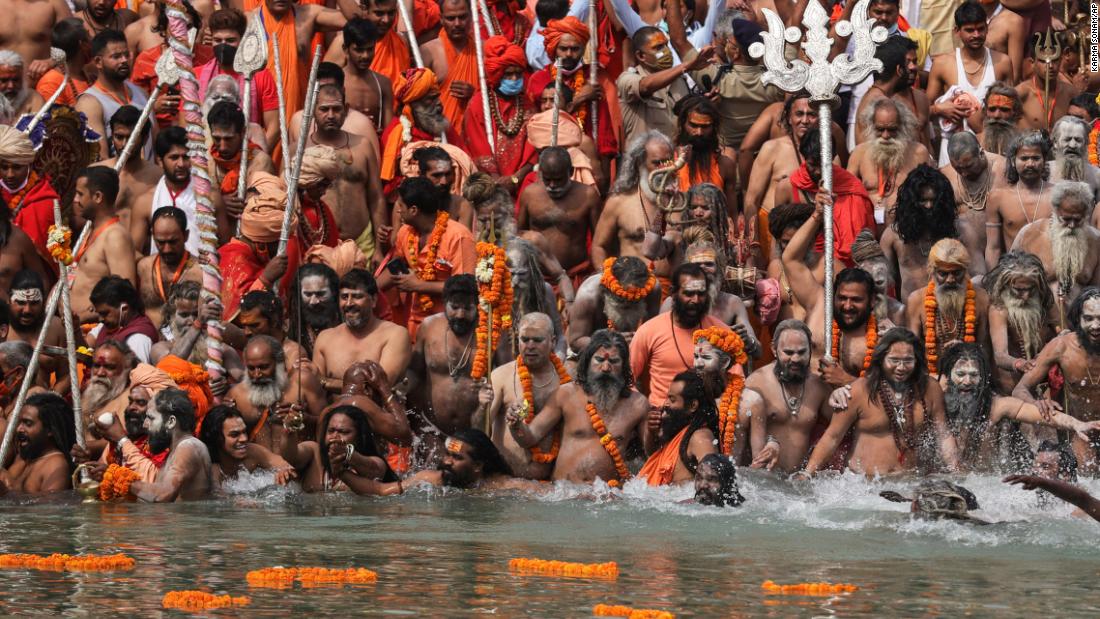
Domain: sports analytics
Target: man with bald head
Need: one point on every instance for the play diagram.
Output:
(562, 210)
(973, 174)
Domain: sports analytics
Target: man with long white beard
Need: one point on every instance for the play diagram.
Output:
(1022, 318)
(271, 399)
(108, 389)
(784, 401)
(1066, 243)
(949, 309)
(17, 99)
(620, 298)
(184, 330)
(1002, 108)
(1071, 137)
(869, 257)
(889, 152)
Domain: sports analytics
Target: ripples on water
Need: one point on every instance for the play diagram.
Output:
(443, 553)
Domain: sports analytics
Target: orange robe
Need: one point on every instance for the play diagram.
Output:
(391, 55)
(294, 74)
(318, 38)
(461, 67)
(712, 176)
(456, 256)
(661, 466)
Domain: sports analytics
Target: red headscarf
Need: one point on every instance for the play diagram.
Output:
(500, 53)
(558, 27)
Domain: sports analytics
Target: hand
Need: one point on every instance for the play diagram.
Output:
(168, 104)
(38, 68)
(821, 200)
(485, 394)
(234, 206)
(219, 386)
(337, 454)
(274, 270)
(461, 90)
(376, 376)
(587, 94)
(1023, 366)
(96, 470)
(840, 397)
(382, 237)
(1083, 428)
(628, 336)
(211, 310)
(767, 458)
(1047, 408)
(284, 476)
(653, 420)
(832, 373)
(1029, 482)
(704, 58)
(305, 365)
(280, 411)
(953, 111)
(79, 454)
(113, 432)
(407, 282)
(512, 415)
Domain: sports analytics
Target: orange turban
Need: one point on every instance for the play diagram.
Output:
(192, 379)
(950, 253)
(500, 53)
(151, 378)
(558, 27)
(262, 220)
(414, 85)
(342, 258)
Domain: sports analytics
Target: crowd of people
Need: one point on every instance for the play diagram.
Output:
(581, 248)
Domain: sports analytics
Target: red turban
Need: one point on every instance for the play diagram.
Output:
(558, 27)
(193, 380)
(500, 53)
(415, 84)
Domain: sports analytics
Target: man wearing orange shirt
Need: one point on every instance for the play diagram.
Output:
(70, 37)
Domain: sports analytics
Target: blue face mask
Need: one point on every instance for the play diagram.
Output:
(511, 88)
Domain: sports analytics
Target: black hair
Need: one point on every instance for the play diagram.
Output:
(171, 212)
(298, 330)
(641, 35)
(331, 71)
(854, 275)
(212, 425)
(605, 338)
(226, 114)
(484, 452)
(173, 402)
(949, 358)
(460, 288)
(785, 216)
(1078, 306)
(167, 138)
(420, 192)
(727, 477)
(424, 156)
(228, 19)
(56, 416)
(545, 10)
(127, 116)
(911, 222)
(630, 271)
(1067, 460)
(103, 179)
(690, 269)
(359, 279)
(788, 104)
(269, 304)
(969, 12)
(364, 437)
(555, 156)
(359, 31)
(5, 314)
(1088, 102)
(810, 146)
(27, 279)
(892, 54)
(705, 416)
(68, 35)
(114, 291)
(104, 38)
(876, 375)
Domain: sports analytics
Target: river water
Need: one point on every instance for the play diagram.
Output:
(445, 553)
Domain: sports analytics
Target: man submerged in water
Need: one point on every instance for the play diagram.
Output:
(716, 482)
(472, 461)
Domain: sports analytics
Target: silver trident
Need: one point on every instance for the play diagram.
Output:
(821, 78)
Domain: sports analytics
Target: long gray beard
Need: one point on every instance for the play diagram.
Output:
(882, 307)
(1025, 318)
(963, 409)
(267, 395)
(997, 135)
(888, 154)
(625, 316)
(434, 124)
(8, 108)
(951, 302)
(1071, 166)
(1069, 247)
(647, 190)
(605, 389)
(99, 392)
(198, 354)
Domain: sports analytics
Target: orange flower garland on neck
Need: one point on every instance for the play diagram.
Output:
(931, 339)
(526, 383)
(727, 341)
(626, 293)
(609, 445)
(116, 483)
(1094, 135)
(870, 340)
(494, 284)
(578, 81)
(426, 271)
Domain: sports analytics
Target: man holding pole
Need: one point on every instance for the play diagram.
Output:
(453, 59)
(505, 65)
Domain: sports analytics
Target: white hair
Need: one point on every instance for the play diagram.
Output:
(9, 58)
(1075, 190)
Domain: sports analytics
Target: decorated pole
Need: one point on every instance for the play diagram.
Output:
(820, 78)
(168, 74)
(200, 177)
(250, 58)
(58, 57)
(489, 132)
(291, 176)
(410, 34)
(70, 333)
(554, 120)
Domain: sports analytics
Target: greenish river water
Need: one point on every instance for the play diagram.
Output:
(445, 554)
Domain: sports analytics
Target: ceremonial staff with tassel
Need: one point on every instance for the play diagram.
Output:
(821, 78)
(70, 332)
(482, 83)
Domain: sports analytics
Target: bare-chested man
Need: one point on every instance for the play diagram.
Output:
(232, 450)
(728, 308)
(43, 438)
(15, 356)
(1008, 34)
(108, 250)
(535, 374)
(973, 174)
(783, 223)
(598, 307)
(99, 15)
(600, 407)
(562, 210)
(183, 332)
(362, 336)
(1025, 199)
(1076, 354)
(890, 408)
(1071, 138)
(1066, 243)
(1022, 316)
(897, 79)
(925, 213)
(28, 312)
(28, 31)
(225, 121)
(889, 153)
(185, 476)
(784, 401)
(367, 91)
(314, 305)
(17, 253)
(1040, 107)
(261, 313)
(1001, 111)
(309, 20)
(139, 175)
(367, 387)
(18, 98)
(171, 265)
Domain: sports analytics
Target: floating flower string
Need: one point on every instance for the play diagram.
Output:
(609, 445)
(494, 284)
(562, 568)
(283, 577)
(71, 563)
(59, 244)
(201, 600)
(608, 610)
(528, 406)
(116, 483)
(729, 342)
(870, 340)
(808, 588)
(426, 271)
(931, 339)
(1094, 157)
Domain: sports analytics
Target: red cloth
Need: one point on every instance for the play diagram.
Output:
(314, 213)
(241, 269)
(426, 15)
(144, 74)
(265, 97)
(852, 209)
(114, 454)
(35, 215)
(508, 157)
(607, 145)
(500, 53)
(557, 28)
(139, 325)
(416, 134)
(514, 26)
(660, 468)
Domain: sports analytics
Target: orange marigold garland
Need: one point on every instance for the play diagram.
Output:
(116, 483)
(578, 80)
(71, 563)
(808, 588)
(283, 577)
(15, 202)
(626, 293)
(610, 610)
(1094, 135)
(562, 568)
(931, 341)
(528, 405)
(201, 600)
(59, 244)
(870, 340)
(729, 342)
(426, 271)
(609, 444)
(494, 283)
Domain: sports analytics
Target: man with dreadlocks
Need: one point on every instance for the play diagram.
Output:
(890, 408)
(974, 413)
(698, 119)
(184, 329)
(313, 304)
(925, 213)
(889, 152)
(680, 433)
(868, 255)
(531, 293)
(44, 437)
(1071, 162)
(1021, 315)
(1075, 353)
(705, 218)
(620, 298)
(1025, 199)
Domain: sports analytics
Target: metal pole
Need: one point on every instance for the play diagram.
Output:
(70, 337)
(825, 124)
(242, 180)
(488, 20)
(291, 176)
(594, 68)
(410, 34)
(489, 130)
(132, 141)
(557, 103)
(283, 120)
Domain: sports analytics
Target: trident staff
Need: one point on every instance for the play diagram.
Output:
(821, 78)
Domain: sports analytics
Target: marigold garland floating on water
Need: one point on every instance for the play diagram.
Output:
(71, 563)
(562, 568)
(494, 285)
(808, 588)
(116, 483)
(283, 577)
(201, 600)
(609, 610)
